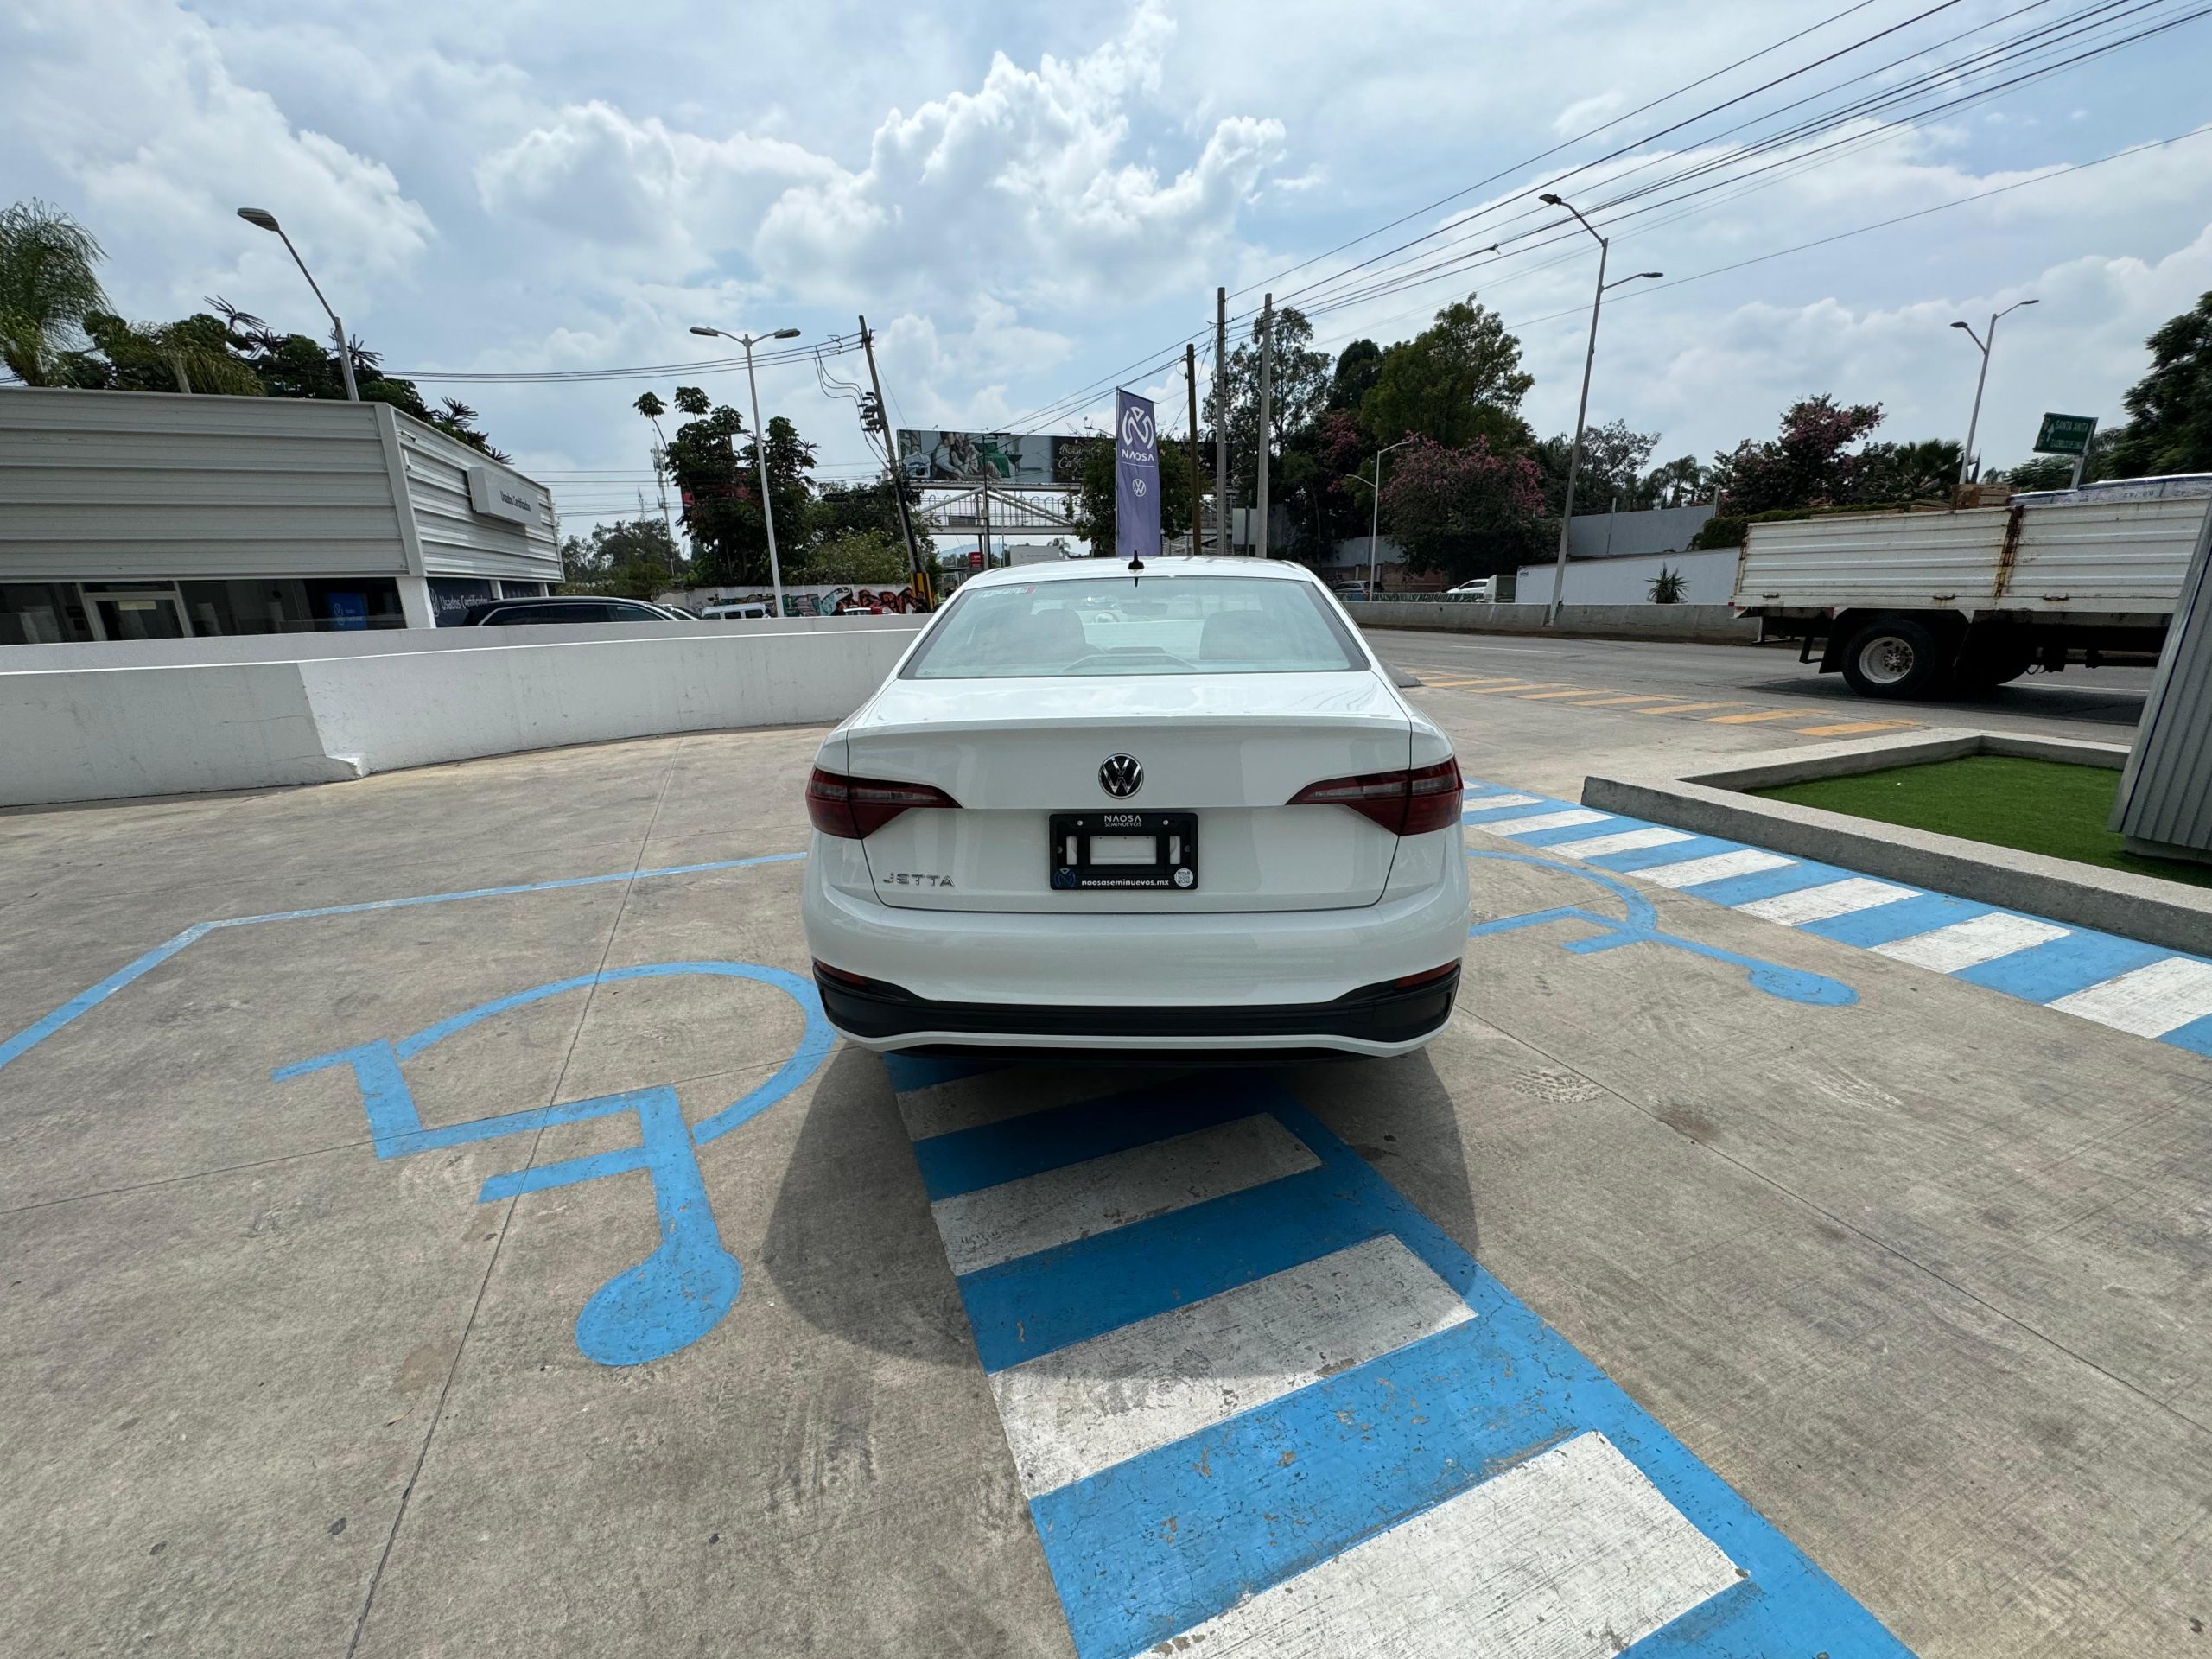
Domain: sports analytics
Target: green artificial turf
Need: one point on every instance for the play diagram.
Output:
(2037, 806)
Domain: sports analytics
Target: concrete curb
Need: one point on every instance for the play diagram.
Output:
(2114, 901)
(1702, 624)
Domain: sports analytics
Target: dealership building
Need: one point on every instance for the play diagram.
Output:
(160, 516)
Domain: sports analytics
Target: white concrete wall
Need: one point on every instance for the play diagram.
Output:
(376, 642)
(1711, 572)
(103, 733)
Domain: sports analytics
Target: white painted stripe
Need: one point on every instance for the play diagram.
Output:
(1488, 802)
(1070, 1414)
(2150, 1000)
(1745, 860)
(1572, 1555)
(1833, 898)
(1529, 826)
(1965, 944)
(1628, 841)
(1099, 1194)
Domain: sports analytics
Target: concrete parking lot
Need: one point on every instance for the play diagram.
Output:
(474, 1242)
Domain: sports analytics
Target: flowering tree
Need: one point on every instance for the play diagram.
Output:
(1467, 512)
(1806, 466)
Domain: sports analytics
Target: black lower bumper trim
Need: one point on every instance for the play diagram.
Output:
(1379, 1013)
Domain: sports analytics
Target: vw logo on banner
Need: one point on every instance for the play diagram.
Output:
(1136, 478)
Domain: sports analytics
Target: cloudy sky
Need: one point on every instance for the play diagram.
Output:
(1029, 200)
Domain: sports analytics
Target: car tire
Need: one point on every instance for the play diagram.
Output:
(1894, 657)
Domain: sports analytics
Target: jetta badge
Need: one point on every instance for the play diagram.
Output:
(1120, 776)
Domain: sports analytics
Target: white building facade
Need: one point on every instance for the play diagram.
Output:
(159, 516)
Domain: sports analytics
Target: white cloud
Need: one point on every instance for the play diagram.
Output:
(132, 106)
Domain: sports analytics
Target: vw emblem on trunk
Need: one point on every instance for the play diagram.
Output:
(1120, 776)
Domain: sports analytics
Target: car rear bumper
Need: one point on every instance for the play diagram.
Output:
(1171, 981)
(1376, 1020)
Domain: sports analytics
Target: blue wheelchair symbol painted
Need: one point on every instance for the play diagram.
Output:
(1641, 926)
(680, 1292)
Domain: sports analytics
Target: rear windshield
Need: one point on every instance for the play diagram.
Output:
(1125, 624)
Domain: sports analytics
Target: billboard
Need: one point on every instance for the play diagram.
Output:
(1035, 460)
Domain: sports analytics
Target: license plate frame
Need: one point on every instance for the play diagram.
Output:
(1069, 867)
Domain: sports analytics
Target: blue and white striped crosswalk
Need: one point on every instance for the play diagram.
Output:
(2144, 989)
(1260, 1405)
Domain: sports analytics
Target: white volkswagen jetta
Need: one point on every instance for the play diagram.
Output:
(1184, 808)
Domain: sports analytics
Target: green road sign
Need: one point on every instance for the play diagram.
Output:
(2065, 435)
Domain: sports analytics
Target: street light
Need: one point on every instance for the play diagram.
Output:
(759, 443)
(1375, 514)
(1973, 422)
(267, 221)
(1582, 409)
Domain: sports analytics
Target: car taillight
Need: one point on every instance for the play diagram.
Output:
(855, 808)
(1409, 803)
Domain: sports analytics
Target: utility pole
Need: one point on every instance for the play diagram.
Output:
(984, 488)
(1221, 420)
(923, 583)
(660, 488)
(1190, 376)
(1967, 468)
(1267, 414)
(1582, 409)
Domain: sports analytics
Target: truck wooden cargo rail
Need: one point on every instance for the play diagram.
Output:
(1918, 604)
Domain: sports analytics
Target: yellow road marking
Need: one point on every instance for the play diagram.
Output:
(1487, 690)
(1772, 714)
(1451, 685)
(1577, 691)
(1851, 727)
(1687, 708)
(1607, 703)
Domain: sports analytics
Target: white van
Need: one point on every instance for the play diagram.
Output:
(734, 609)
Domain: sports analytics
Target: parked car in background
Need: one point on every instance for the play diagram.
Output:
(735, 610)
(563, 608)
(1483, 588)
(1349, 591)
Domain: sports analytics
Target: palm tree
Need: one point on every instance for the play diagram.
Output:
(48, 286)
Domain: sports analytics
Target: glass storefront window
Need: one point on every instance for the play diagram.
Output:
(452, 596)
(288, 605)
(42, 614)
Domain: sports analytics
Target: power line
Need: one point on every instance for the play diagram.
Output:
(836, 346)
(1383, 283)
(1880, 225)
(1459, 265)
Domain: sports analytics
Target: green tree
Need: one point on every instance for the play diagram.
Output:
(2037, 473)
(843, 510)
(1613, 460)
(48, 286)
(1297, 389)
(1926, 470)
(2169, 408)
(1357, 365)
(592, 562)
(719, 483)
(1094, 499)
(866, 558)
(1459, 379)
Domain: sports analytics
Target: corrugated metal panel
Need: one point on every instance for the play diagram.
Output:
(458, 541)
(2087, 558)
(2165, 794)
(101, 485)
(2125, 555)
(1881, 558)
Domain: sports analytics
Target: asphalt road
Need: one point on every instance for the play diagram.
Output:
(2085, 702)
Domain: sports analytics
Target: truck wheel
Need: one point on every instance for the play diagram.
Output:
(1895, 656)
